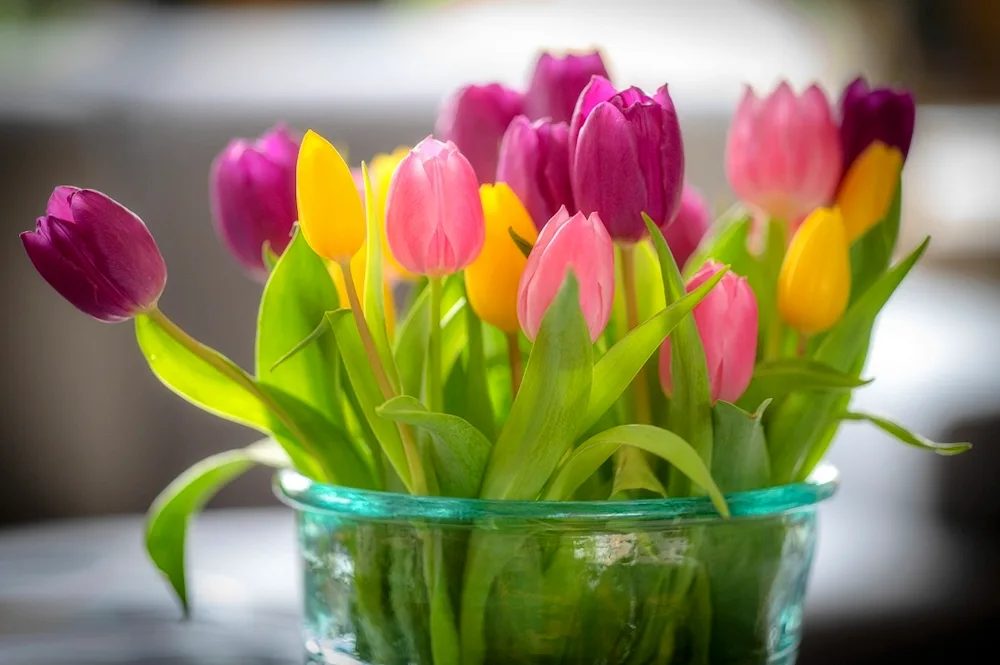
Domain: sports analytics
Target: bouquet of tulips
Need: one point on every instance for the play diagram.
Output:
(532, 306)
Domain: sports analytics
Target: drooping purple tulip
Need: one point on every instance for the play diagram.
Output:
(626, 157)
(474, 118)
(534, 161)
(875, 114)
(556, 84)
(97, 254)
(252, 189)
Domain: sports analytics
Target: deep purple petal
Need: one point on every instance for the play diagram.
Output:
(600, 89)
(556, 84)
(58, 205)
(475, 119)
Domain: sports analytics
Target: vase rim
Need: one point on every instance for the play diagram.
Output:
(306, 495)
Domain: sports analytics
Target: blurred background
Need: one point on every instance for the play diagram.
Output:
(135, 98)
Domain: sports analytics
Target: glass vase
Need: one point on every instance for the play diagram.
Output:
(393, 579)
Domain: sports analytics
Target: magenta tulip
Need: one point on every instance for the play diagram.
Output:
(434, 217)
(626, 157)
(783, 152)
(727, 324)
(869, 115)
(556, 84)
(97, 254)
(578, 243)
(534, 161)
(689, 226)
(252, 188)
(474, 119)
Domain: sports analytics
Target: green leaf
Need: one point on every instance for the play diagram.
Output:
(690, 412)
(411, 342)
(545, 417)
(615, 370)
(523, 244)
(269, 256)
(872, 252)
(649, 282)
(592, 453)
(633, 473)
(367, 391)
(775, 379)
(297, 295)
(906, 436)
(167, 521)
(374, 295)
(460, 450)
(740, 461)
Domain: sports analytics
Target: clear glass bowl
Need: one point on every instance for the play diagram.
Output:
(397, 579)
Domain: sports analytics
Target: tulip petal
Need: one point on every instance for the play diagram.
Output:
(58, 205)
(600, 89)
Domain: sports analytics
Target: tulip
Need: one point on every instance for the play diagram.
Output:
(579, 243)
(783, 152)
(252, 190)
(868, 188)
(814, 284)
(97, 254)
(727, 324)
(626, 157)
(491, 281)
(689, 226)
(434, 218)
(534, 161)
(330, 212)
(474, 119)
(869, 115)
(556, 84)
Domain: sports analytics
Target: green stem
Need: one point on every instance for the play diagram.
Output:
(435, 394)
(417, 478)
(640, 387)
(247, 382)
(516, 367)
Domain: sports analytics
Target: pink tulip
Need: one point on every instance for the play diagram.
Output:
(689, 226)
(578, 243)
(783, 153)
(727, 325)
(434, 217)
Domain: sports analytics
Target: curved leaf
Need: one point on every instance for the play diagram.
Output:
(592, 453)
(740, 462)
(906, 436)
(775, 379)
(373, 302)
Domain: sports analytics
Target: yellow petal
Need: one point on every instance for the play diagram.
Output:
(382, 167)
(330, 212)
(868, 188)
(815, 281)
(492, 280)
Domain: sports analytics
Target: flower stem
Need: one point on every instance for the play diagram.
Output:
(232, 371)
(435, 394)
(640, 387)
(418, 481)
(516, 369)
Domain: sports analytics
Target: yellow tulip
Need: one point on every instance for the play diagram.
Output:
(868, 188)
(815, 280)
(491, 281)
(381, 170)
(358, 273)
(330, 212)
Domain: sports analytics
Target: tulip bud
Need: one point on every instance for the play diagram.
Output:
(684, 234)
(252, 190)
(491, 281)
(626, 157)
(868, 188)
(576, 243)
(783, 152)
(727, 325)
(330, 212)
(97, 254)
(869, 115)
(534, 161)
(815, 280)
(474, 119)
(556, 84)
(434, 218)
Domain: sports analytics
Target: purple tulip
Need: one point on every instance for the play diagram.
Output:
(627, 157)
(556, 84)
(474, 119)
(97, 254)
(879, 114)
(534, 161)
(252, 188)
